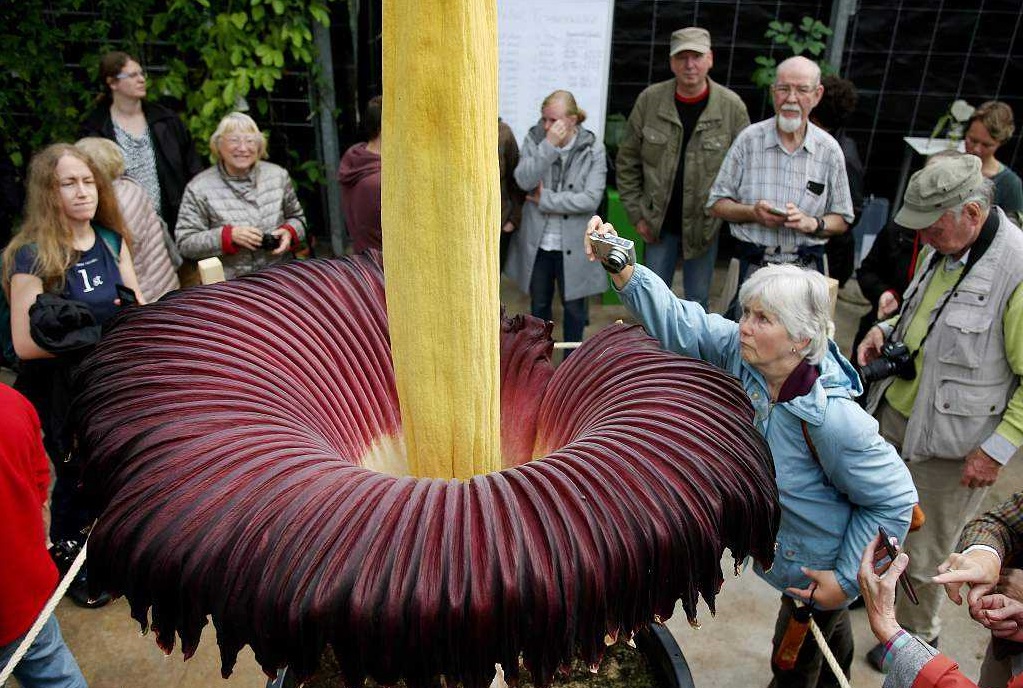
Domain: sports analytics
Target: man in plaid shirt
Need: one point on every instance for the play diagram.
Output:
(987, 556)
(783, 186)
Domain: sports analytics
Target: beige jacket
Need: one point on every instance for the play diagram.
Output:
(966, 381)
(150, 255)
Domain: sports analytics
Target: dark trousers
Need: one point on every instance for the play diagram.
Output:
(811, 670)
(751, 257)
(69, 513)
(548, 270)
(505, 241)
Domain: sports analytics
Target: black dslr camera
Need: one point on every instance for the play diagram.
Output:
(895, 359)
(270, 242)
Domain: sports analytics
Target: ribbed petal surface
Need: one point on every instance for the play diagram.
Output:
(227, 433)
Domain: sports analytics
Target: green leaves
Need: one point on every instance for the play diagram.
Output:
(809, 37)
(224, 50)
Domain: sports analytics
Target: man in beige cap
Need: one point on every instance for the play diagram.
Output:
(951, 404)
(677, 136)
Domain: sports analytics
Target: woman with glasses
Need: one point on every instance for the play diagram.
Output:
(243, 210)
(158, 150)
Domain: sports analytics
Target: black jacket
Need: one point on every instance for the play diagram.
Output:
(176, 159)
(888, 266)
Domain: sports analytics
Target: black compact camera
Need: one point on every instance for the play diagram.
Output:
(895, 359)
(613, 252)
(270, 242)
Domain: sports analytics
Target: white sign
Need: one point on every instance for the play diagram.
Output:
(547, 45)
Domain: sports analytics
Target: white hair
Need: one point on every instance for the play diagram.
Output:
(798, 62)
(799, 299)
(233, 123)
(983, 196)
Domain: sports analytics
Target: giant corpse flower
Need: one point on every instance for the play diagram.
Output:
(245, 446)
(316, 454)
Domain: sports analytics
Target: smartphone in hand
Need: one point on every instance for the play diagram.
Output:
(126, 295)
(903, 579)
(780, 212)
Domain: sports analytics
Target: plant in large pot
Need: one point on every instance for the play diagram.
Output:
(314, 454)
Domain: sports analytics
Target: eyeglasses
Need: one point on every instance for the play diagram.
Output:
(131, 75)
(239, 139)
(788, 89)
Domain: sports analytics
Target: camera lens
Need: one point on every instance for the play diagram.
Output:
(616, 260)
(877, 369)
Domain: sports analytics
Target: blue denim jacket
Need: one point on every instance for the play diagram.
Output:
(831, 509)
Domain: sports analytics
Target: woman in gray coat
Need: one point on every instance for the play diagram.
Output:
(564, 167)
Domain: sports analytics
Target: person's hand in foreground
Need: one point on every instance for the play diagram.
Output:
(1010, 583)
(870, 347)
(599, 227)
(978, 569)
(877, 585)
(1002, 615)
(824, 590)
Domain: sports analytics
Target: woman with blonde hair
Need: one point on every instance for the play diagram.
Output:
(243, 209)
(563, 168)
(61, 275)
(154, 252)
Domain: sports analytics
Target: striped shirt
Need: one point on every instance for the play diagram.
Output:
(140, 162)
(812, 177)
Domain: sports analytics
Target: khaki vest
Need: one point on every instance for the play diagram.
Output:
(965, 380)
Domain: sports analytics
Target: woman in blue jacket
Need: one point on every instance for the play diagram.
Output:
(837, 479)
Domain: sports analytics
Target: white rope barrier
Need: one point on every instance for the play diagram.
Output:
(843, 682)
(44, 615)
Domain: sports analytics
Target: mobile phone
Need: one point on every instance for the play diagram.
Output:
(778, 211)
(126, 294)
(903, 579)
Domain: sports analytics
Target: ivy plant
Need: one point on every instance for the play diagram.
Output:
(243, 48)
(227, 55)
(810, 37)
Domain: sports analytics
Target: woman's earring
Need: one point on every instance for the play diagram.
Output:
(793, 349)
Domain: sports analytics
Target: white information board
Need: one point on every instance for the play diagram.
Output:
(546, 45)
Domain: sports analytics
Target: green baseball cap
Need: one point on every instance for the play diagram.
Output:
(940, 186)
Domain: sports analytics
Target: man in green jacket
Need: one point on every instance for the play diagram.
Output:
(676, 139)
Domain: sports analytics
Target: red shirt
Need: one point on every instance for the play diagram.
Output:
(27, 574)
(942, 672)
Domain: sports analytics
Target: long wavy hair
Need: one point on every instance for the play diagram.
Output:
(45, 224)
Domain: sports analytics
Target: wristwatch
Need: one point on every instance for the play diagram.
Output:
(822, 227)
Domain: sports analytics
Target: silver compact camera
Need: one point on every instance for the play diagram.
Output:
(614, 252)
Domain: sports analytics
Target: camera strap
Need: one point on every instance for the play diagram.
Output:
(977, 250)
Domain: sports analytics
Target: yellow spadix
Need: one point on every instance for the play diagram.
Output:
(440, 215)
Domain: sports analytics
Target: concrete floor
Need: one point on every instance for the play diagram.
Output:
(731, 649)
